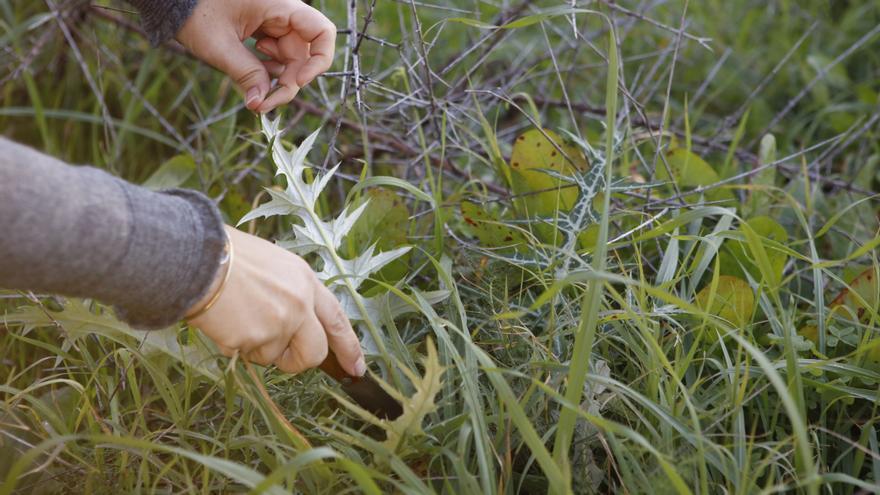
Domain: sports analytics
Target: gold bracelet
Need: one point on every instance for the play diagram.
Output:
(226, 260)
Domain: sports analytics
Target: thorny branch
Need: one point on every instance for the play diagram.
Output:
(379, 125)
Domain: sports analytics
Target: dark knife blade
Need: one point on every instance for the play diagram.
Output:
(364, 390)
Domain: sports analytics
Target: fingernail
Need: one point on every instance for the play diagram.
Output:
(360, 367)
(253, 95)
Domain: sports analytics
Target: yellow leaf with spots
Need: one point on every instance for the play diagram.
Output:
(487, 227)
(540, 193)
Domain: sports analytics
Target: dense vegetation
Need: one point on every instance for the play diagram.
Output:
(642, 252)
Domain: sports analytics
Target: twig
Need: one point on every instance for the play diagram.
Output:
(704, 42)
(823, 72)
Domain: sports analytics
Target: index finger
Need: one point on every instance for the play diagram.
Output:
(316, 29)
(341, 338)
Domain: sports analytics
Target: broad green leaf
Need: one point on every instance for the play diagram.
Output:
(488, 228)
(759, 199)
(736, 253)
(690, 171)
(871, 349)
(836, 76)
(540, 193)
(385, 221)
(234, 204)
(588, 238)
(860, 301)
(172, 173)
(385, 224)
(732, 300)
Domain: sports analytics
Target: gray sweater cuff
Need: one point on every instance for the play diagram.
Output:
(177, 238)
(162, 19)
(81, 232)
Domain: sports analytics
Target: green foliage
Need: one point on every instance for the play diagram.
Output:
(406, 429)
(729, 298)
(173, 173)
(689, 171)
(738, 258)
(536, 152)
(488, 227)
(383, 224)
(595, 331)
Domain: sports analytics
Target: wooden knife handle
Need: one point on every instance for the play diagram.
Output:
(332, 367)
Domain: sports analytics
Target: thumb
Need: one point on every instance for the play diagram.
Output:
(246, 70)
(340, 336)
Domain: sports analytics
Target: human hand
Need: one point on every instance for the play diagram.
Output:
(299, 39)
(274, 310)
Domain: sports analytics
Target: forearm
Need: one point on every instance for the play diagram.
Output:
(80, 232)
(163, 18)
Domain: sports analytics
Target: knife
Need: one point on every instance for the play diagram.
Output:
(364, 390)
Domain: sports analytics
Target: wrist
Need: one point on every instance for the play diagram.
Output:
(214, 290)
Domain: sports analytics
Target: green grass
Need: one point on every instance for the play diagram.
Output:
(607, 353)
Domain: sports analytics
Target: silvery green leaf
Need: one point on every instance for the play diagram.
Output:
(270, 127)
(280, 204)
(307, 237)
(389, 306)
(321, 182)
(313, 234)
(358, 269)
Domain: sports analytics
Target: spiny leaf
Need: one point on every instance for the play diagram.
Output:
(408, 426)
(278, 205)
(313, 234)
(420, 404)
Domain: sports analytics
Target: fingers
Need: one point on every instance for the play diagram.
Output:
(274, 68)
(320, 57)
(340, 336)
(268, 353)
(269, 47)
(304, 47)
(248, 72)
(306, 350)
(320, 34)
(282, 94)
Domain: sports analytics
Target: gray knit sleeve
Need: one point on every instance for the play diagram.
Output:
(81, 232)
(163, 18)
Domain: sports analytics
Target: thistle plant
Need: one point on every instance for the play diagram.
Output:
(314, 234)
